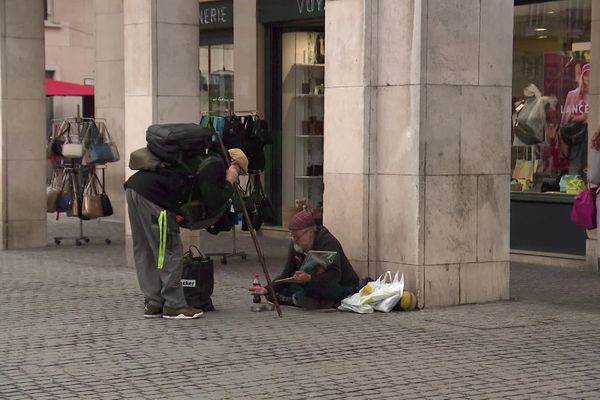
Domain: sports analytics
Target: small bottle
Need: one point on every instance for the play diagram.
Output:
(256, 283)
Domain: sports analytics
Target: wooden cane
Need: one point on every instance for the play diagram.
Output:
(259, 252)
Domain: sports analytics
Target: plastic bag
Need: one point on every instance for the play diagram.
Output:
(381, 289)
(531, 116)
(388, 304)
(353, 303)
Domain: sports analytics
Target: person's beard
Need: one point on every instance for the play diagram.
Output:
(298, 249)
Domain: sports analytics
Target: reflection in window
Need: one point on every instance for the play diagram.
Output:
(551, 56)
(216, 78)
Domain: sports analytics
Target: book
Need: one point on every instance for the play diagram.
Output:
(317, 260)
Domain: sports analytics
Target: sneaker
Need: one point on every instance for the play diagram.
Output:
(181, 313)
(152, 312)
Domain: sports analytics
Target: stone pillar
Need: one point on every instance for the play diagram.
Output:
(110, 92)
(22, 125)
(247, 58)
(417, 143)
(162, 79)
(594, 119)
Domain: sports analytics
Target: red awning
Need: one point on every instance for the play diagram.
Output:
(60, 88)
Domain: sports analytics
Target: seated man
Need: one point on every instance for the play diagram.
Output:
(317, 289)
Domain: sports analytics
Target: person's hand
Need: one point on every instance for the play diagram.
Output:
(232, 174)
(301, 277)
(259, 290)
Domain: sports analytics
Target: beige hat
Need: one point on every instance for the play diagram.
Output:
(238, 156)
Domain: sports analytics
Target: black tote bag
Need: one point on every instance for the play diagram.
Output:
(197, 279)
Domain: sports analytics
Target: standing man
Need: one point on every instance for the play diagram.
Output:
(154, 199)
(318, 288)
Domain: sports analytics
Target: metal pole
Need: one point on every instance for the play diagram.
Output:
(259, 252)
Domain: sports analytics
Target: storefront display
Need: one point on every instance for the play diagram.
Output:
(303, 78)
(551, 69)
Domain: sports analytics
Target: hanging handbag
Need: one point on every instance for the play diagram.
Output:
(73, 150)
(53, 191)
(584, 210)
(101, 149)
(63, 201)
(92, 202)
(197, 279)
(107, 209)
(573, 134)
(58, 141)
(74, 209)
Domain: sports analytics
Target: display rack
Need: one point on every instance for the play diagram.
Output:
(81, 174)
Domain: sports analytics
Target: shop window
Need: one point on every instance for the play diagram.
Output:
(551, 72)
(303, 78)
(216, 78)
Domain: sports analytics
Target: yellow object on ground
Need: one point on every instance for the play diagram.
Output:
(408, 301)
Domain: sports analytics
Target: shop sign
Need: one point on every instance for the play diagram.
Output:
(270, 11)
(216, 15)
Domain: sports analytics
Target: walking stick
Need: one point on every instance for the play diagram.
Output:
(259, 252)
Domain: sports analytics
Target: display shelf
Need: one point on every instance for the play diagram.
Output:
(308, 95)
(310, 65)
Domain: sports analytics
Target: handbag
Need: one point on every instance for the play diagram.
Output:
(58, 141)
(52, 192)
(101, 149)
(575, 186)
(197, 279)
(63, 201)
(92, 202)
(584, 210)
(74, 209)
(573, 134)
(564, 180)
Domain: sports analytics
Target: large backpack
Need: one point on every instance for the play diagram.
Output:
(176, 142)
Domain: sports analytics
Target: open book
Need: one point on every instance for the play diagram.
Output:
(315, 261)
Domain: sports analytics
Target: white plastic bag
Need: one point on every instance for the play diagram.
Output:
(381, 289)
(353, 303)
(388, 304)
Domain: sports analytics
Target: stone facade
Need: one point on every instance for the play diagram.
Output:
(421, 181)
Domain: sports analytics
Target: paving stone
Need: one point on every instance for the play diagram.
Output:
(95, 344)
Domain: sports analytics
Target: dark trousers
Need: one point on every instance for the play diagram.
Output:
(312, 296)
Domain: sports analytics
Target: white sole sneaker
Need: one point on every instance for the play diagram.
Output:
(153, 315)
(183, 316)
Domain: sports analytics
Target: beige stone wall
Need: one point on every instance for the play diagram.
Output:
(415, 119)
(22, 125)
(110, 92)
(162, 82)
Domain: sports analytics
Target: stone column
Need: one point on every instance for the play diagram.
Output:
(162, 79)
(110, 92)
(22, 125)
(594, 120)
(417, 142)
(247, 58)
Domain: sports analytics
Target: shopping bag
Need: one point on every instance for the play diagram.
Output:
(388, 304)
(353, 303)
(583, 212)
(197, 279)
(378, 290)
(564, 181)
(524, 169)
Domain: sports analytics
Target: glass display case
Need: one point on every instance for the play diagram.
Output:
(303, 83)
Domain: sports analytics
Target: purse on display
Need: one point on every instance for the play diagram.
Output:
(564, 181)
(58, 141)
(575, 186)
(53, 191)
(101, 149)
(91, 206)
(63, 201)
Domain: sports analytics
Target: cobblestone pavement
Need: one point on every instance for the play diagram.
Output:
(72, 327)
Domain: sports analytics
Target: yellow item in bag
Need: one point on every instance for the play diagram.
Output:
(575, 186)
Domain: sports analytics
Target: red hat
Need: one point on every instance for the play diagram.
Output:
(301, 220)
